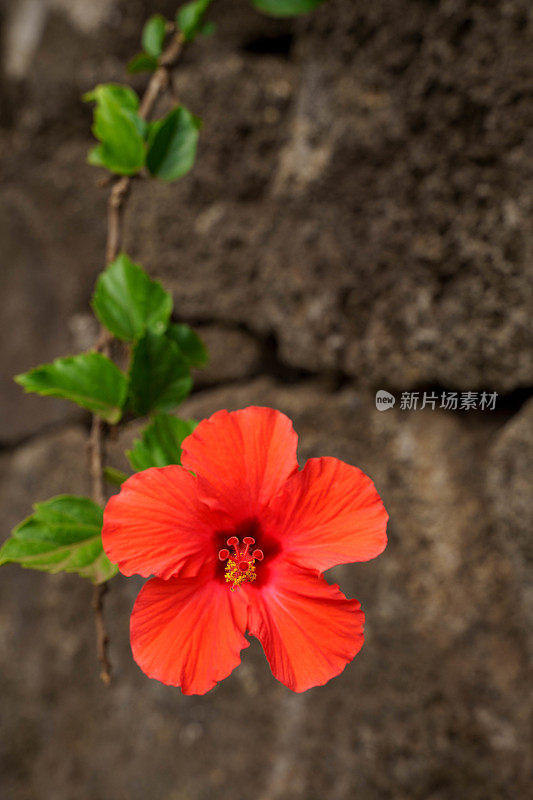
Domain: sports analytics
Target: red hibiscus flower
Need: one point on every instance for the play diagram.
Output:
(237, 539)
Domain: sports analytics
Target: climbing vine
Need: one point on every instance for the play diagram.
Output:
(63, 534)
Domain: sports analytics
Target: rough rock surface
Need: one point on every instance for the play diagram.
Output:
(377, 211)
(432, 707)
(357, 219)
(509, 486)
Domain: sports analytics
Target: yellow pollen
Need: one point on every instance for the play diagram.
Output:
(233, 574)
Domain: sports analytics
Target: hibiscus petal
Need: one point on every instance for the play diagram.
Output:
(157, 524)
(309, 630)
(188, 632)
(330, 513)
(245, 456)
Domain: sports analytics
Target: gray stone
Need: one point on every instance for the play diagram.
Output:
(444, 657)
(387, 235)
(509, 488)
(47, 276)
(233, 355)
(360, 206)
(432, 707)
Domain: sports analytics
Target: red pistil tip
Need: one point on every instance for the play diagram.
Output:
(240, 567)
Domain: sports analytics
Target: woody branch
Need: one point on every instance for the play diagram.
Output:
(159, 82)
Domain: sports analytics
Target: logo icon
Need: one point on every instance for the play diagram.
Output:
(384, 400)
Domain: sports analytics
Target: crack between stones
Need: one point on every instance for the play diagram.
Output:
(270, 365)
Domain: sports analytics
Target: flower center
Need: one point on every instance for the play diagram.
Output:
(241, 563)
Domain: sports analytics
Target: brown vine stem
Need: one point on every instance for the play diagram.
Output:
(159, 82)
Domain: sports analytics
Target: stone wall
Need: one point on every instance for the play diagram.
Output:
(358, 219)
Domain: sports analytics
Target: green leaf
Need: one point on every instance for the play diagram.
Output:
(189, 343)
(160, 444)
(91, 380)
(119, 128)
(153, 35)
(129, 303)
(111, 98)
(63, 534)
(115, 476)
(96, 156)
(286, 8)
(159, 375)
(123, 96)
(142, 63)
(172, 144)
(190, 17)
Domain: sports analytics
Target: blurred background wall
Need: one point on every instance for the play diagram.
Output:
(358, 219)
